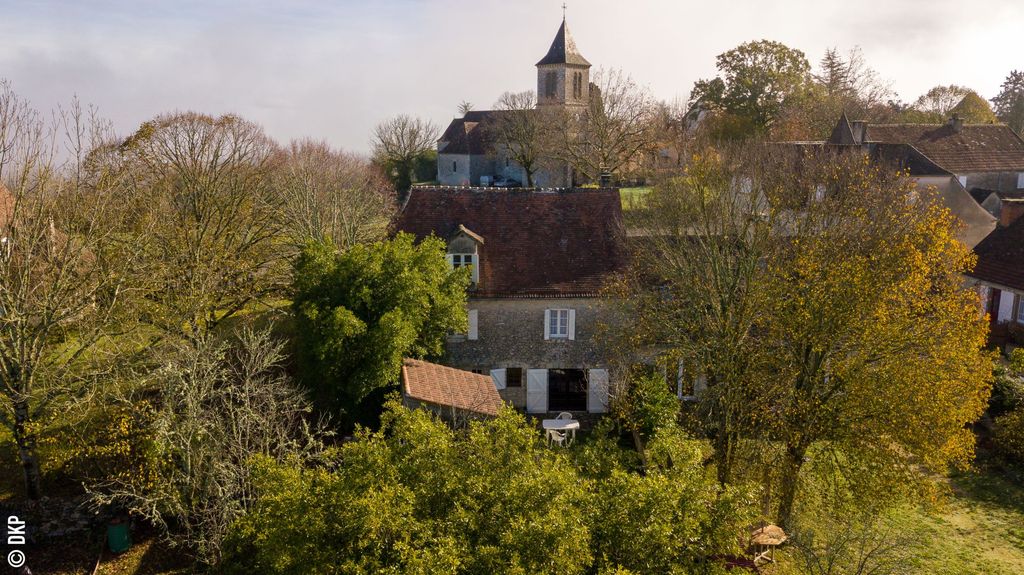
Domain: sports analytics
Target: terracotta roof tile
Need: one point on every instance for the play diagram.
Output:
(537, 243)
(440, 385)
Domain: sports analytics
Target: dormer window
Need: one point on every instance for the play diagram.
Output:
(463, 251)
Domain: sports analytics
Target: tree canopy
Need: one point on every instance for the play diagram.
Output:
(1009, 102)
(359, 312)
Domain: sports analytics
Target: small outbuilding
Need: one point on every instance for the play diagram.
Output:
(454, 394)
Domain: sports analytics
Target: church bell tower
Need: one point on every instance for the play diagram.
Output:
(563, 75)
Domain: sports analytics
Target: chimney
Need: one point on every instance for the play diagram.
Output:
(1011, 210)
(955, 123)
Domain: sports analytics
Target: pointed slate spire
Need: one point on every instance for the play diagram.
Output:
(843, 132)
(563, 49)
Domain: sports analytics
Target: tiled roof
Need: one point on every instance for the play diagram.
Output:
(563, 49)
(440, 385)
(974, 148)
(1001, 256)
(538, 243)
(470, 134)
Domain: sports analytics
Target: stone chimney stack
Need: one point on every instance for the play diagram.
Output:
(1012, 209)
(956, 123)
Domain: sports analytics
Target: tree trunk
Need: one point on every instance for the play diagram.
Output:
(790, 476)
(723, 456)
(26, 441)
(639, 443)
(529, 177)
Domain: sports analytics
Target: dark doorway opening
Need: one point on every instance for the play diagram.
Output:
(567, 390)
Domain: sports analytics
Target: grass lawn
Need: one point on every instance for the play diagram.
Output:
(978, 531)
(633, 198)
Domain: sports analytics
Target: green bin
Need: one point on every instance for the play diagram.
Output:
(118, 537)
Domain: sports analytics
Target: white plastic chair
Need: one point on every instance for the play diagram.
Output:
(564, 415)
(556, 437)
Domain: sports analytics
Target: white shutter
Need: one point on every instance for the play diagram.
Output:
(498, 375)
(597, 391)
(1020, 180)
(536, 391)
(547, 323)
(473, 330)
(572, 324)
(451, 260)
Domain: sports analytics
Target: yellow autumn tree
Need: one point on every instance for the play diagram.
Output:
(819, 296)
(877, 343)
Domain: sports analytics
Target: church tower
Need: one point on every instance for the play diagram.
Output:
(563, 75)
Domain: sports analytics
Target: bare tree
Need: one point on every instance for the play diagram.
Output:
(64, 263)
(939, 100)
(525, 131)
(330, 194)
(616, 126)
(399, 142)
(222, 403)
(203, 187)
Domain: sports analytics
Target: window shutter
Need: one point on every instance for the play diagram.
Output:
(597, 391)
(473, 333)
(547, 324)
(498, 375)
(1020, 180)
(451, 260)
(536, 391)
(572, 324)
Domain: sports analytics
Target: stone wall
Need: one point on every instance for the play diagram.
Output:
(454, 169)
(511, 334)
(998, 181)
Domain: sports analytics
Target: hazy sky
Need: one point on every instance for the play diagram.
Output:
(332, 69)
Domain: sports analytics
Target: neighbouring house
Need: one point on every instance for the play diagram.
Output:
(954, 158)
(992, 200)
(999, 274)
(539, 260)
(468, 153)
(455, 395)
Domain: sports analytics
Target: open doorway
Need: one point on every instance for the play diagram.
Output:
(567, 390)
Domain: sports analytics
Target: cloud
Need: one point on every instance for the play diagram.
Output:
(332, 70)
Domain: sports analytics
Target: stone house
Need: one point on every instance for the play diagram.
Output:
(999, 273)
(954, 159)
(468, 153)
(539, 259)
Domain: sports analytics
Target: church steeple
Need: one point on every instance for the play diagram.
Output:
(563, 75)
(563, 49)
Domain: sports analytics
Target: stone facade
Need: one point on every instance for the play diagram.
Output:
(995, 181)
(455, 169)
(563, 85)
(510, 334)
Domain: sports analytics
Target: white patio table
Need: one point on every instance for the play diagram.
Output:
(568, 426)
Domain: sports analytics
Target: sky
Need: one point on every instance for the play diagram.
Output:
(332, 69)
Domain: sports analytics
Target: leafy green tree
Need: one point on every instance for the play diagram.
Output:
(358, 313)
(756, 81)
(1009, 103)
(416, 497)
(974, 109)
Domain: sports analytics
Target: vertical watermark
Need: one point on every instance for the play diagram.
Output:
(15, 538)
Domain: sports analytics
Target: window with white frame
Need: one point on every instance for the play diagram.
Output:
(1020, 309)
(558, 323)
(466, 260)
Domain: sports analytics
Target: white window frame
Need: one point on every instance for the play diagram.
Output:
(458, 260)
(560, 323)
(1020, 309)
